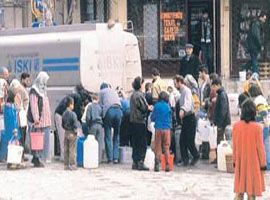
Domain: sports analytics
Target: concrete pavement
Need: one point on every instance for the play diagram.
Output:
(202, 182)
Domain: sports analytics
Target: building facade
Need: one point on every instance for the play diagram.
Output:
(163, 27)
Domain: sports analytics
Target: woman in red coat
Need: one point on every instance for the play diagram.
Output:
(248, 154)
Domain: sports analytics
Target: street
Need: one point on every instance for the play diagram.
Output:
(202, 182)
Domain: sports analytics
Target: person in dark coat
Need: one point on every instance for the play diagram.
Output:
(190, 63)
(222, 110)
(254, 42)
(205, 88)
(138, 112)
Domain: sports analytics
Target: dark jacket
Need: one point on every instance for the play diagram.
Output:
(40, 106)
(62, 106)
(253, 41)
(69, 121)
(94, 114)
(190, 66)
(138, 108)
(206, 91)
(222, 110)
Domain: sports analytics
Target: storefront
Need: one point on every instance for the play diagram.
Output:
(242, 13)
(164, 27)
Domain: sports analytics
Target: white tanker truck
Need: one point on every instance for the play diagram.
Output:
(86, 54)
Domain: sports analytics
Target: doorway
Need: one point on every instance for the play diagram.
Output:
(206, 51)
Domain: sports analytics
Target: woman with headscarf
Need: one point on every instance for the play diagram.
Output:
(39, 116)
(10, 124)
(17, 88)
(192, 84)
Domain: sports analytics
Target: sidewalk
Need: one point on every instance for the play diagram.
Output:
(202, 182)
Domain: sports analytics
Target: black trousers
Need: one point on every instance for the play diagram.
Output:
(187, 138)
(22, 140)
(139, 141)
(125, 131)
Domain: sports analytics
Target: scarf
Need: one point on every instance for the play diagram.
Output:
(40, 84)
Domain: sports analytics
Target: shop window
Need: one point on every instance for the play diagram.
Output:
(242, 14)
(173, 31)
(93, 11)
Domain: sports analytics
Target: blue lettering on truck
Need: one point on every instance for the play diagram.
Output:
(26, 64)
(60, 64)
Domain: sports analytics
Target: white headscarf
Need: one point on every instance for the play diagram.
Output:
(3, 85)
(40, 84)
(192, 84)
(15, 84)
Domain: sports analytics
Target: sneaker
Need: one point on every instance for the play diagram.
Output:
(194, 161)
(115, 161)
(73, 168)
(142, 167)
(135, 166)
(156, 167)
(25, 159)
(109, 162)
(66, 168)
(214, 161)
(167, 168)
(41, 165)
(183, 164)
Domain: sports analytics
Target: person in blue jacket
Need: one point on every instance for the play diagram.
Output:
(10, 123)
(162, 117)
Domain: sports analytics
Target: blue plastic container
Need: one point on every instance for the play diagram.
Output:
(80, 142)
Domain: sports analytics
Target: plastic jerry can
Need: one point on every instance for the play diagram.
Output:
(79, 159)
(163, 162)
(90, 152)
(125, 155)
(223, 149)
(150, 159)
(14, 154)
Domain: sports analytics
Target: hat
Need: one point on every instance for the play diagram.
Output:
(189, 45)
(104, 85)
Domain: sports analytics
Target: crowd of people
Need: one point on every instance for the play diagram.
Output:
(149, 116)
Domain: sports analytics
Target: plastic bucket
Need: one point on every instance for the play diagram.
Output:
(242, 76)
(37, 141)
(163, 163)
(14, 154)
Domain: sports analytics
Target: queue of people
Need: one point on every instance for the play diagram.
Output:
(195, 94)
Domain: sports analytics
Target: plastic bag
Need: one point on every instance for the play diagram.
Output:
(23, 118)
(203, 130)
(212, 136)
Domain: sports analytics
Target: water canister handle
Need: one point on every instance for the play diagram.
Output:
(90, 137)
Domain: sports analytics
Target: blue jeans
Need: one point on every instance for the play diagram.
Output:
(266, 141)
(112, 120)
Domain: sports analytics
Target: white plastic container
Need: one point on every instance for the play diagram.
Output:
(233, 103)
(125, 155)
(242, 76)
(149, 160)
(14, 154)
(223, 149)
(90, 152)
